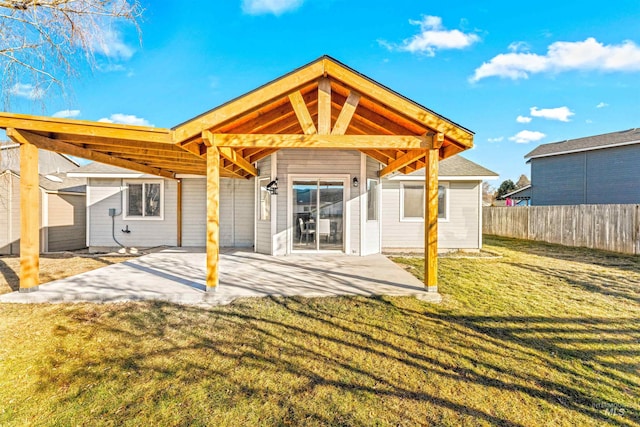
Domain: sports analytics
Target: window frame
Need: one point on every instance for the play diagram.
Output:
(377, 198)
(125, 200)
(267, 180)
(445, 185)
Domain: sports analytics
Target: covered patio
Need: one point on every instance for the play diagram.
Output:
(178, 275)
(323, 105)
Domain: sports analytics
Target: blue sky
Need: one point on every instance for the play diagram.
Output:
(516, 73)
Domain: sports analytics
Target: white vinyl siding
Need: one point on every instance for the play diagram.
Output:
(459, 231)
(5, 213)
(311, 163)
(106, 193)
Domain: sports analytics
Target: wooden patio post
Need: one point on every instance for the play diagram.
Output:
(213, 216)
(431, 219)
(29, 217)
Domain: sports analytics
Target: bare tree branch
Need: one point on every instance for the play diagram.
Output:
(43, 42)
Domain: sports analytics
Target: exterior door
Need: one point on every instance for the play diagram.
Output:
(318, 215)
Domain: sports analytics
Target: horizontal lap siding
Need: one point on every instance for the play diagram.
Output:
(105, 193)
(5, 211)
(236, 212)
(313, 163)
(558, 180)
(460, 232)
(613, 175)
(263, 228)
(194, 212)
(66, 227)
(244, 212)
(372, 228)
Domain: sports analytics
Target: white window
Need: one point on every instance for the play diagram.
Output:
(144, 199)
(372, 199)
(265, 200)
(412, 202)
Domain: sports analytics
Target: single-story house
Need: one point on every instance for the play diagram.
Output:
(313, 146)
(319, 214)
(600, 169)
(61, 218)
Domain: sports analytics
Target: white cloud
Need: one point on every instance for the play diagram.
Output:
(27, 90)
(275, 7)
(432, 37)
(588, 121)
(519, 47)
(498, 139)
(125, 119)
(523, 119)
(66, 114)
(527, 136)
(563, 56)
(561, 113)
(110, 43)
(602, 105)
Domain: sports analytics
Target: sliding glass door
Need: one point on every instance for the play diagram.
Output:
(318, 215)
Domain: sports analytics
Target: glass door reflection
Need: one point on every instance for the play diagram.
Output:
(318, 215)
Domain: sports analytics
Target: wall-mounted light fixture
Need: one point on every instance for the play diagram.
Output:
(272, 187)
(355, 181)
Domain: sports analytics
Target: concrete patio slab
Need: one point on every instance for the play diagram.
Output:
(178, 275)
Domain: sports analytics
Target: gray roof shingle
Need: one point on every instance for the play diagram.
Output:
(458, 166)
(629, 136)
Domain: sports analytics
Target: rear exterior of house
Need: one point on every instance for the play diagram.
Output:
(343, 208)
(601, 169)
(62, 222)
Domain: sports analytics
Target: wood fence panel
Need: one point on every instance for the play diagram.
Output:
(613, 228)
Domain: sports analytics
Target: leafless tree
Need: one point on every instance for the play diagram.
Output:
(42, 42)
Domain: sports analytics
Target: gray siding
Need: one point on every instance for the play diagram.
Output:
(194, 212)
(236, 212)
(105, 193)
(613, 175)
(605, 176)
(263, 228)
(313, 163)
(558, 180)
(461, 231)
(5, 213)
(66, 222)
(372, 228)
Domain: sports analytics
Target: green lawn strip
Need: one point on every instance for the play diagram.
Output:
(526, 339)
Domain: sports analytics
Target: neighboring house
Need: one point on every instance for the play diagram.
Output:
(601, 169)
(62, 201)
(151, 211)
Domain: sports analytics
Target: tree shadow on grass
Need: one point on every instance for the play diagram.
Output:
(333, 361)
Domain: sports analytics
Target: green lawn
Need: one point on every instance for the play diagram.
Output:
(544, 335)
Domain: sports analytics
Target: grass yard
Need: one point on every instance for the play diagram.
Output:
(544, 335)
(52, 267)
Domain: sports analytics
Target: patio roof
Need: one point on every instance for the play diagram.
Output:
(287, 112)
(322, 105)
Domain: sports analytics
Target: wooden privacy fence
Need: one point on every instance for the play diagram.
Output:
(608, 227)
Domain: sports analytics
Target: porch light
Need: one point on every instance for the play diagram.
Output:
(355, 181)
(272, 187)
